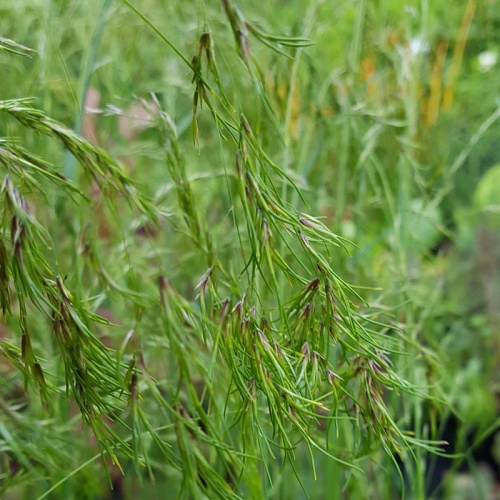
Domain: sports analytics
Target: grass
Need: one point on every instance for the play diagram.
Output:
(181, 296)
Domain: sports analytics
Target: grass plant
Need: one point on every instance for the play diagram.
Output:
(228, 278)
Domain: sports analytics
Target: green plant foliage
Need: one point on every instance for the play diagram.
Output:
(184, 309)
(486, 194)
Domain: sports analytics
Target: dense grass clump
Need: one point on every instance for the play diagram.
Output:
(229, 243)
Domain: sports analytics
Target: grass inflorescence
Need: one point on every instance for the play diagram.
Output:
(234, 278)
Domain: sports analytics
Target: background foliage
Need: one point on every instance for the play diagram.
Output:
(181, 301)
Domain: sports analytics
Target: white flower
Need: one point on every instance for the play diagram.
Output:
(418, 46)
(487, 60)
